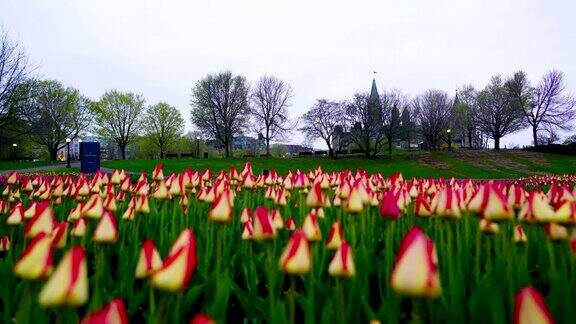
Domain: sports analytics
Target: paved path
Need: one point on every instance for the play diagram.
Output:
(43, 168)
(56, 167)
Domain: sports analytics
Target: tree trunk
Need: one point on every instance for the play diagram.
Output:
(122, 150)
(53, 153)
(470, 138)
(535, 135)
(366, 148)
(497, 142)
(267, 139)
(330, 149)
(227, 149)
(331, 152)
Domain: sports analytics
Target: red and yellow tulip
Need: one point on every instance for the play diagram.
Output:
(148, 261)
(36, 260)
(530, 307)
(263, 227)
(179, 265)
(415, 271)
(107, 229)
(296, 257)
(342, 264)
(68, 285)
(112, 313)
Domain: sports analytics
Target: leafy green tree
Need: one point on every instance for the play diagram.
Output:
(118, 117)
(164, 125)
(54, 113)
(193, 142)
(142, 147)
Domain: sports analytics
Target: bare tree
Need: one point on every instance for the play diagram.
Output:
(55, 113)
(548, 135)
(570, 140)
(374, 120)
(464, 114)
(270, 101)
(362, 114)
(408, 127)
(545, 107)
(497, 115)
(391, 103)
(14, 88)
(118, 117)
(432, 110)
(321, 120)
(220, 107)
(164, 125)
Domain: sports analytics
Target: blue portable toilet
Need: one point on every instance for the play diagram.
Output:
(89, 157)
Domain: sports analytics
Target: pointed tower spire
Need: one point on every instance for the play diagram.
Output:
(374, 106)
(456, 100)
(374, 90)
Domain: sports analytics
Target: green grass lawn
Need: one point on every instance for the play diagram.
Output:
(465, 164)
(61, 171)
(17, 165)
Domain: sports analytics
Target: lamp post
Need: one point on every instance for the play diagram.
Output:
(449, 131)
(79, 149)
(198, 146)
(14, 147)
(68, 151)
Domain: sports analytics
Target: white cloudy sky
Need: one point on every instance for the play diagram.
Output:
(323, 48)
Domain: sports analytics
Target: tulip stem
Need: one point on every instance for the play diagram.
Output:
(219, 229)
(63, 316)
(292, 299)
(138, 221)
(178, 307)
(416, 312)
(100, 270)
(25, 307)
(551, 257)
(362, 217)
(152, 301)
(271, 283)
(162, 221)
(11, 252)
(341, 303)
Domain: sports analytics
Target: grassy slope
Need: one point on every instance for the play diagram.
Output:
(476, 164)
(16, 165)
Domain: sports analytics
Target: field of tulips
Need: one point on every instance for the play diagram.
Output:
(311, 246)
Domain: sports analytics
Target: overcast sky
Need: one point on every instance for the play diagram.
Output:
(324, 49)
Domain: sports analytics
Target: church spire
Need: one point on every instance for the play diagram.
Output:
(374, 107)
(374, 90)
(456, 100)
